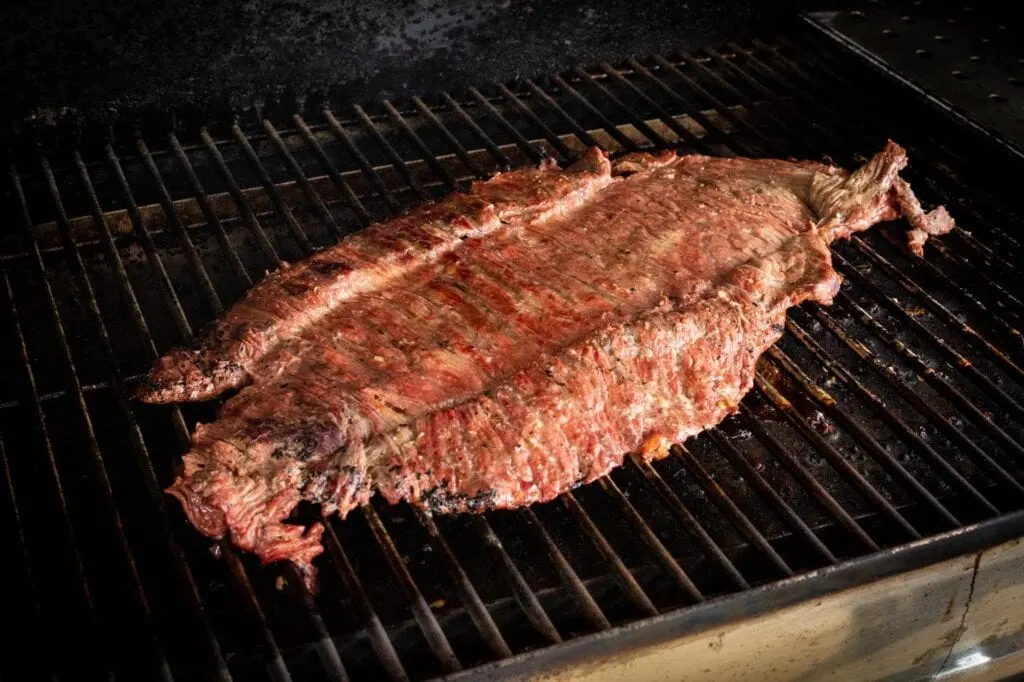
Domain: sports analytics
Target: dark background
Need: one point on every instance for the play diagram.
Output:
(88, 59)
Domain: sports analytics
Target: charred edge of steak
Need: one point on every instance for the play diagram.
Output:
(187, 375)
(440, 500)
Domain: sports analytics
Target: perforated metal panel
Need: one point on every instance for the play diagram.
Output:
(969, 56)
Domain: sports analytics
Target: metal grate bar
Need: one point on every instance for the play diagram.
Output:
(966, 444)
(733, 91)
(520, 588)
(435, 636)
(312, 196)
(725, 503)
(114, 256)
(396, 160)
(453, 142)
(148, 247)
(785, 512)
(864, 439)
(626, 579)
(509, 129)
(211, 218)
(364, 164)
(690, 523)
(579, 131)
(172, 218)
(637, 122)
(94, 633)
(666, 118)
(535, 121)
(713, 101)
(98, 467)
(626, 142)
(1008, 301)
(899, 425)
(168, 293)
(804, 477)
(962, 363)
(248, 217)
(275, 663)
(379, 640)
(584, 599)
(948, 391)
(350, 198)
(446, 178)
(665, 558)
(117, 383)
(833, 456)
(1007, 318)
(325, 647)
(467, 593)
(1005, 363)
(280, 206)
(23, 641)
(713, 131)
(503, 161)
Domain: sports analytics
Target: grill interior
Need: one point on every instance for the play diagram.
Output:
(894, 415)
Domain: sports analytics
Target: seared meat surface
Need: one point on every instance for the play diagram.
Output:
(503, 345)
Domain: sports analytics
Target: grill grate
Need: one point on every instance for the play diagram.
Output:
(893, 416)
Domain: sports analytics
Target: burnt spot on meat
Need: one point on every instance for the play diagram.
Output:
(299, 446)
(329, 268)
(440, 500)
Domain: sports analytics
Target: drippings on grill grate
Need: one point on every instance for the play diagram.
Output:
(893, 415)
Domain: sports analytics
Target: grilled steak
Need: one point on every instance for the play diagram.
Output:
(501, 346)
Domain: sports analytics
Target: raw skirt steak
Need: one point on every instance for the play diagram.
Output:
(501, 346)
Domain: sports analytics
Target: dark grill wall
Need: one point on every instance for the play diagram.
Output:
(66, 58)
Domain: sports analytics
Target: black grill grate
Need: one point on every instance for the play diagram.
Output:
(892, 416)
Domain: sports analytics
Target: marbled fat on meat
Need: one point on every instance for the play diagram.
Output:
(501, 346)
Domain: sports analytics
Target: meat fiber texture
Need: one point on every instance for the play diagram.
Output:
(500, 346)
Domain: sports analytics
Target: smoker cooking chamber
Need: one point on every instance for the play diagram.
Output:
(891, 417)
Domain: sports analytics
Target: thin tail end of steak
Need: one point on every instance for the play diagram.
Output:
(219, 503)
(875, 193)
(187, 375)
(922, 224)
